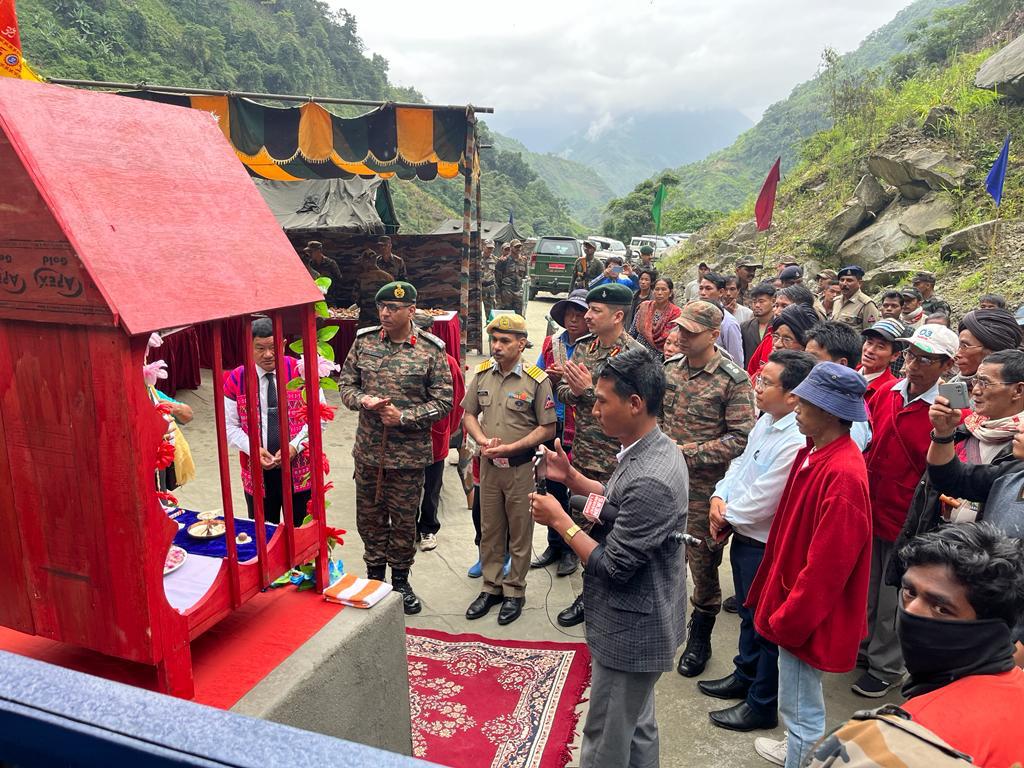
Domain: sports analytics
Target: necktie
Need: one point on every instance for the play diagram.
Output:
(273, 425)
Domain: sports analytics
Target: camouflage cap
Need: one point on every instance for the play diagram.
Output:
(399, 290)
(923, 277)
(515, 243)
(314, 245)
(646, 250)
(489, 242)
(748, 264)
(831, 274)
(611, 293)
(699, 316)
(508, 323)
(591, 243)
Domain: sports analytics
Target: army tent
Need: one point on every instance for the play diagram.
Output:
(345, 205)
(498, 231)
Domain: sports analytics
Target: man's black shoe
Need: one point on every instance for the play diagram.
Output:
(547, 557)
(572, 615)
(510, 609)
(400, 582)
(378, 572)
(742, 717)
(730, 687)
(567, 564)
(731, 605)
(483, 603)
(698, 645)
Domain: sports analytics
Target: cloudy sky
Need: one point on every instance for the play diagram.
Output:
(600, 59)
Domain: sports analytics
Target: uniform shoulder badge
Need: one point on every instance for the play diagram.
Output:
(485, 365)
(368, 329)
(536, 373)
(736, 373)
(436, 341)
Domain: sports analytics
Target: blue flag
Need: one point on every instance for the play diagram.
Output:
(512, 220)
(996, 176)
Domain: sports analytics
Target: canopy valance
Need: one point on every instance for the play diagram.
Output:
(308, 142)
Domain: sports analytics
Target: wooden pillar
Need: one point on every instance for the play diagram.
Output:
(467, 197)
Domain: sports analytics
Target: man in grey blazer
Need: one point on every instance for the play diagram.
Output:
(634, 584)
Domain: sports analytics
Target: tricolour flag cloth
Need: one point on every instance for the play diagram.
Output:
(997, 174)
(356, 592)
(765, 205)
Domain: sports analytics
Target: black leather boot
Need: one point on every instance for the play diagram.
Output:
(400, 581)
(378, 572)
(572, 615)
(698, 645)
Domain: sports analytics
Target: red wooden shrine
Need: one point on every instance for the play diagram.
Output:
(120, 217)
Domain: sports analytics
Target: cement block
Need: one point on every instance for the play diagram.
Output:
(350, 680)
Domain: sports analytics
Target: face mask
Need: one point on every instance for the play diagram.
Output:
(939, 651)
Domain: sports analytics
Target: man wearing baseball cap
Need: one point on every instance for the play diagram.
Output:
(930, 302)
(883, 342)
(912, 313)
(746, 270)
(388, 261)
(709, 412)
(824, 278)
(810, 591)
(692, 290)
(587, 267)
(853, 306)
(510, 410)
(487, 289)
(895, 462)
(324, 266)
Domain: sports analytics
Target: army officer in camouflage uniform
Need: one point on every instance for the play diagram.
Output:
(397, 377)
(510, 410)
(593, 452)
(709, 412)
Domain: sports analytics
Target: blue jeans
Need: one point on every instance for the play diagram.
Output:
(757, 663)
(802, 706)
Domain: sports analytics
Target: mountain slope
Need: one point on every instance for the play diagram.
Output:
(725, 179)
(583, 190)
(273, 46)
(630, 150)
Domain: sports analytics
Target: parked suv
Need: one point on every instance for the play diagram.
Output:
(552, 263)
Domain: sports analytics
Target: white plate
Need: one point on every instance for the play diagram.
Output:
(183, 557)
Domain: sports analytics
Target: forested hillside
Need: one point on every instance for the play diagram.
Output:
(726, 179)
(275, 46)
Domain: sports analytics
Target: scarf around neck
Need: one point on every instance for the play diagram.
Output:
(989, 430)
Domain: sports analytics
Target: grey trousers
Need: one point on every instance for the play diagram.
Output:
(620, 731)
(880, 652)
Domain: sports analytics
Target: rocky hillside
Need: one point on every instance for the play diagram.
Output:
(899, 185)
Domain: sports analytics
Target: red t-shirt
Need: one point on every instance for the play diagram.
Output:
(979, 715)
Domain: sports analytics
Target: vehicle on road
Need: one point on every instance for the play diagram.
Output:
(606, 246)
(552, 263)
(659, 244)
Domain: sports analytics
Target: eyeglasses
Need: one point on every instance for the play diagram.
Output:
(785, 341)
(761, 382)
(985, 383)
(392, 308)
(921, 360)
(964, 346)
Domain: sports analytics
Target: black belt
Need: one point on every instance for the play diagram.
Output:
(486, 285)
(747, 540)
(517, 461)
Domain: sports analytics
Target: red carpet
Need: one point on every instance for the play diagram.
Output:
(227, 661)
(480, 702)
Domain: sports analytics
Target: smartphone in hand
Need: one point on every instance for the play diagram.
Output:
(540, 470)
(957, 394)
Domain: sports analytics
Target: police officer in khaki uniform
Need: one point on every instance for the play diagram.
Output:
(510, 410)
(709, 412)
(853, 307)
(398, 378)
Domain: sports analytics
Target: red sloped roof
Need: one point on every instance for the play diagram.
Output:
(153, 202)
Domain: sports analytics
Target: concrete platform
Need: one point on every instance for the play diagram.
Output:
(350, 680)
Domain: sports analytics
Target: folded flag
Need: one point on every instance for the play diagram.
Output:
(356, 592)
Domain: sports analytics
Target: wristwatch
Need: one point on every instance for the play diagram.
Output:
(942, 440)
(589, 392)
(571, 531)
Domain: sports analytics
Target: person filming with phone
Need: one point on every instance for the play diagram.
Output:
(634, 580)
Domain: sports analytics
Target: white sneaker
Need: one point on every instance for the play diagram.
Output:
(771, 750)
(428, 541)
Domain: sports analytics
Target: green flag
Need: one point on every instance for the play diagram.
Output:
(659, 198)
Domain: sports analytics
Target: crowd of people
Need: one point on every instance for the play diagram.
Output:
(862, 465)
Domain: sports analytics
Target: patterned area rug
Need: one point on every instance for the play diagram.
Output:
(480, 702)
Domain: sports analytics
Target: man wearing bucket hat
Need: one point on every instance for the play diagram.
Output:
(895, 462)
(811, 588)
(709, 412)
(555, 351)
(593, 452)
(397, 377)
(853, 306)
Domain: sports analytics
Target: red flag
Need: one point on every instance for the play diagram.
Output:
(765, 206)
(11, 62)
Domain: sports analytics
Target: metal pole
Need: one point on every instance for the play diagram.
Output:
(144, 86)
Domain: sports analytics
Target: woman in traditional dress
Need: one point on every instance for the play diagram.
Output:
(653, 319)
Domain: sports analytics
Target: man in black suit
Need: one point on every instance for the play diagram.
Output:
(761, 302)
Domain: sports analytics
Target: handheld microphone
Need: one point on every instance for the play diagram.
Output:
(599, 511)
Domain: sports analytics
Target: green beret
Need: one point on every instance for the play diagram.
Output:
(397, 291)
(611, 293)
(646, 250)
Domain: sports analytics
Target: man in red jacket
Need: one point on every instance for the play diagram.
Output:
(882, 343)
(896, 461)
(810, 592)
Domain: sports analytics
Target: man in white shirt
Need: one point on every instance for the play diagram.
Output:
(237, 428)
(731, 298)
(744, 504)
